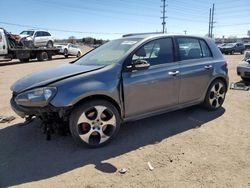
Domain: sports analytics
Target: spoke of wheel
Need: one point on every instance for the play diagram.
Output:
(103, 136)
(100, 110)
(213, 89)
(111, 121)
(217, 103)
(86, 136)
(84, 119)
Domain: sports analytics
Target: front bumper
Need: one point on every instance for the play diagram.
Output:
(243, 71)
(19, 110)
(34, 111)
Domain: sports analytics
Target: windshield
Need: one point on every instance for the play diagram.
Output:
(29, 33)
(108, 53)
(229, 44)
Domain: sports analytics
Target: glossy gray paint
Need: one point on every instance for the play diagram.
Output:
(138, 93)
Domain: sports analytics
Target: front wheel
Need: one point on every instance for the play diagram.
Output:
(94, 123)
(215, 95)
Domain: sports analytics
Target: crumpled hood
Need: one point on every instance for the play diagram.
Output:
(45, 77)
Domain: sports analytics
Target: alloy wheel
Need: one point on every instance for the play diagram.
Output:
(96, 125)
(217, 95)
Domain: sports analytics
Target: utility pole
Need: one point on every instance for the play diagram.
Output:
(209, 24)
(185, 31)
(212, 21)
(164, 29)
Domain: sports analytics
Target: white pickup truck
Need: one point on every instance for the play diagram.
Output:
(11, 48)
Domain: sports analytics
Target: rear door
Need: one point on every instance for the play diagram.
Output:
(155, 88)
(3, 44)
(196, 68)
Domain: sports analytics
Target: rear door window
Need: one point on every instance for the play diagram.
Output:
(192, 48)
(39, 34)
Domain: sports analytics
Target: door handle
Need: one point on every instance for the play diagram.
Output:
(208, 67)
(173, 73)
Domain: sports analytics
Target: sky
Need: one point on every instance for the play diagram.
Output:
(109, 19)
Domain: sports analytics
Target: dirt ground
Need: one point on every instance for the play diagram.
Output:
(187, 148)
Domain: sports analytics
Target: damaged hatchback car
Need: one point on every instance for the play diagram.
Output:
(137, 76)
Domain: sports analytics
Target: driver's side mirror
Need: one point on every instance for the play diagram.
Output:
(140, 64)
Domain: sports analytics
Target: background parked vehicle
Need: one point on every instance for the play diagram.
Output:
(243, 69)
(12, 48)
(69, 49)
(231, 48)
(123, 80)
(39, 38)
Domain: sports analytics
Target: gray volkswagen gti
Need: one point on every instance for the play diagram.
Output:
(126, 79)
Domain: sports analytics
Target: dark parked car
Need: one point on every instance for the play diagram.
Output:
(123, 80)
(243, 69)
(231, 48)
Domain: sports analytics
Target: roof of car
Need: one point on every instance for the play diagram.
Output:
(35, 30)
(153, 35)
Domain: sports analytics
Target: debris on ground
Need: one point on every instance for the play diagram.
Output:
(123, 170)
(239, 86)
(150, 166)
(4, 119)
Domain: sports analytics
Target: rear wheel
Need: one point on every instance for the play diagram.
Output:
(94, 123)
(215, 95)
(49, 44)
(78, 54)
(42, 56)
(242, 52)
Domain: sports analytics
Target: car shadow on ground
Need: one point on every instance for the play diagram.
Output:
(26, 156)
(17, 62)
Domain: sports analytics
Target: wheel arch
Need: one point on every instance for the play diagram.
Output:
(100, 97)
(222, 79)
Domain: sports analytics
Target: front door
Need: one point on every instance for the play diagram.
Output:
(154, 88)
(196, 68)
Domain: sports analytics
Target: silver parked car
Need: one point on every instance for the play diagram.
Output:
(124, 80)
(39, 38)
(243, 69)
(69, 49)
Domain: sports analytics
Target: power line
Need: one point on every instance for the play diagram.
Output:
(61, 30)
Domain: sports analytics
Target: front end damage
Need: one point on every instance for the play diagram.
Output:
(54, 120)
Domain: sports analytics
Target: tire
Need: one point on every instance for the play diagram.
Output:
(89, 121)
(232, 52)
(215, 95)
(65, 53)
(245, 79)
(242, 52)
(50, 44)
(78, 54)
(42, 56)
(24, 60)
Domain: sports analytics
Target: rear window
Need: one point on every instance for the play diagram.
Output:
(192, 48)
